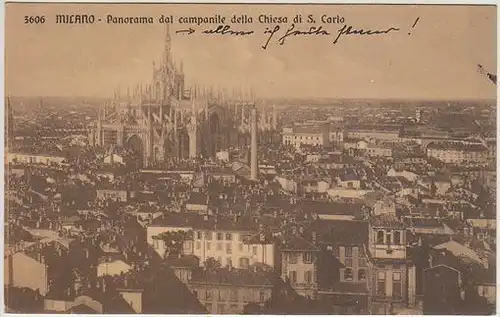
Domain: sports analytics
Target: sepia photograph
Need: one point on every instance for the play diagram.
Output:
(274, 159)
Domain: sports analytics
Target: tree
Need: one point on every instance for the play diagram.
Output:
(212, 264)
(174, 242)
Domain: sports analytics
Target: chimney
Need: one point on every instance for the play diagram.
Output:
(253, 151)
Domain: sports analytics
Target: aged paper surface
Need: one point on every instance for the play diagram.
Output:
(250, 159)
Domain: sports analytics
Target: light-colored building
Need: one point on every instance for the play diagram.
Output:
(27, 270)
(112, 265)
(114, 194)
(374, 150)
(458, 153)
(308, 135)
(393, 275)
(113, 159)
(227, 291)
(389, 134)
(231, 243)
(299, 257)
(38, 158)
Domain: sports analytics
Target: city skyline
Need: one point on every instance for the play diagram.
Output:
(42, 62)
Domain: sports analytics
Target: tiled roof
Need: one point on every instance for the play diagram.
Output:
(297, 243)
(190, 261)
(234, 277)
(341, 232)
(386, 221)
(330, 208)
(197, 222)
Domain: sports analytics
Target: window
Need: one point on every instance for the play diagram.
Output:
(208, 294)
(262, 296)
(244, 263)
(208, 246)
(308, 277)
(397, 237)
(240, 246)
(198, 245)
(222, 295)
(355, 251)
(293, 276)
(381, 284)
(234, 295)
(307, 258)
(396, 285)
(348, 276)
(292, 258)
(388, 237)
(219, 246)
(198, 235)
(221, 308)
(348, 262)
(361, 275)
(208, 235)
(254, 249)
(229, 262)
(380, 237)
(229, 248)
(220, 236)
(229, 236)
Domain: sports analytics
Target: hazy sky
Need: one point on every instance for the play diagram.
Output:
(437, 61)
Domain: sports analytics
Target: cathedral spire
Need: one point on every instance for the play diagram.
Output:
(168, 46)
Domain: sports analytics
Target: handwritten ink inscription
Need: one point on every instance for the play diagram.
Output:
(226, 30)
(280, 35)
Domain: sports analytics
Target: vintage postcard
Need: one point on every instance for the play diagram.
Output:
(250, 159)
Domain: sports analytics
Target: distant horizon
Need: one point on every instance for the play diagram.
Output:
(278, 98)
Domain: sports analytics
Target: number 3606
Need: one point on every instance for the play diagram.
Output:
(34, 19)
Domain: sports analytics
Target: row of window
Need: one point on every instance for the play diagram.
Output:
(349, 252)
(349, 275)
(308, 277)
(389, 237)
(397, 290)
(220, 236)
(302, 137)
(293, 257)
(232, 295)
(348, 262)
(228, 248)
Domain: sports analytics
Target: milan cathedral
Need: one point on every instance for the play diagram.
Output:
(164, 118)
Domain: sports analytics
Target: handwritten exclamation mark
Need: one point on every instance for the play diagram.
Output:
(414, 23)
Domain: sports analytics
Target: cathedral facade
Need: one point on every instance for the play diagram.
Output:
(163, 119)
